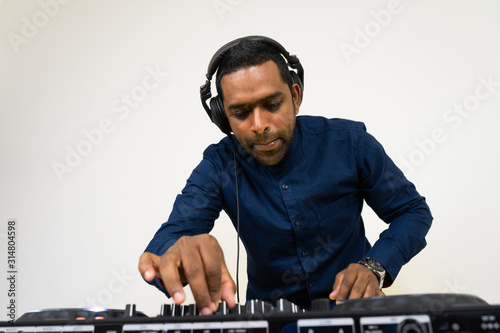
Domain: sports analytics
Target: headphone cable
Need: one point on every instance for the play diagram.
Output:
(237, 222)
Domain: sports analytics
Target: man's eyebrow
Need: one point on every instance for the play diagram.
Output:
(239, 105)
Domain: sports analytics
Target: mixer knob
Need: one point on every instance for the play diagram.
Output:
(250, 306)
(238, 309)
(321, 304)
(190, 310)
(222, 310)
(166, 310)
(284, 305)
(255, 306)
(265, 307)
(177, 310)
(130, 310)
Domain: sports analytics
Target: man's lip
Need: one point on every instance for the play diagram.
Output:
(266, 146)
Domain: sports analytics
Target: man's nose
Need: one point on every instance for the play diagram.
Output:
(260, 122)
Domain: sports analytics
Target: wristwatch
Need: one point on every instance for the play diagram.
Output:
(376, 267)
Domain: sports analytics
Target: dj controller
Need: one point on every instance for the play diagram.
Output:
(424, 313)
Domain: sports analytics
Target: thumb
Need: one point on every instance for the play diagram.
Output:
(336, 286)
(148, 262)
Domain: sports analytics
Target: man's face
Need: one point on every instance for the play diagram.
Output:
(261, 110)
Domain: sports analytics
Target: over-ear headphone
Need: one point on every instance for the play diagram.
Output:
(216, 110)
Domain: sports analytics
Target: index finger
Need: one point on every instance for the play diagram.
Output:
(344, 282)
(211, 256)
(170, 263)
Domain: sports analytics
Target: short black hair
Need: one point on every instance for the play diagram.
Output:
(250, 53)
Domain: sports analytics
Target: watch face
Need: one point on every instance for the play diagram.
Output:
(374, 264)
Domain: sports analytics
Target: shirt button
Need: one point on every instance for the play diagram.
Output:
(310, 285)
(297, 222)
(285, 186)
(303, 253)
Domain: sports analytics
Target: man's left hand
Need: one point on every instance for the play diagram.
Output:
(356, 281)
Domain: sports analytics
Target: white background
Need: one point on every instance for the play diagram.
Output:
(66, 69)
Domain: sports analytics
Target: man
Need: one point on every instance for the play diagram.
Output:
(301, 183)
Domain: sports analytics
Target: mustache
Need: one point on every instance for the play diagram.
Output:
(265, 137)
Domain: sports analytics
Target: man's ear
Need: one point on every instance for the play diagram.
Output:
(296, 97)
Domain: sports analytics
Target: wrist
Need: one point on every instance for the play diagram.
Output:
(377, 269)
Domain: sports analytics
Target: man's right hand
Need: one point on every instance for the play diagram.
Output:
(197, 260)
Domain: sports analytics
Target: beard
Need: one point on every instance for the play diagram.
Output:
(269, 148)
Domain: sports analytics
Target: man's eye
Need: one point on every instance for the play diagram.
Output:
(240, 114)
(273, 106)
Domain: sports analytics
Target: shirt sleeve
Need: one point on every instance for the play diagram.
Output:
(193, 213)
(396, 201)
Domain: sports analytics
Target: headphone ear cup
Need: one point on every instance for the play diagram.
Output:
(219, 117)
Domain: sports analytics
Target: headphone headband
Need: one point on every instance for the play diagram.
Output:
(216, 110)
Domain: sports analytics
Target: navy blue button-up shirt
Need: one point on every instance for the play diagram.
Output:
(300, 220)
